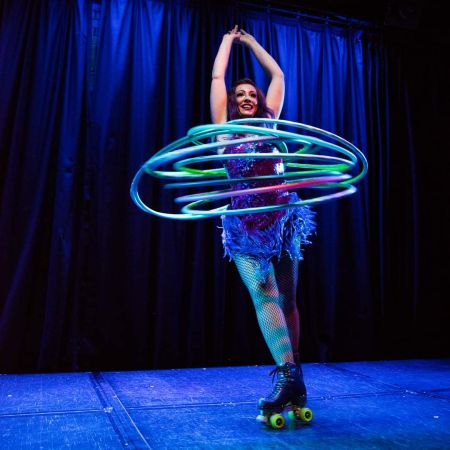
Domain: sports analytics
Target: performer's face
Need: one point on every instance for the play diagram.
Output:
(247, 100)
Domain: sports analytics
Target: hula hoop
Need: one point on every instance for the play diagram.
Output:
(308, 167)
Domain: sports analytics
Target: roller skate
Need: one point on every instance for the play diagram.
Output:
(288, 396)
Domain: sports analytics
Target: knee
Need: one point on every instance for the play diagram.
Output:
(264, 292)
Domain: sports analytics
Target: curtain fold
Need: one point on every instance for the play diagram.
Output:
(43, 55)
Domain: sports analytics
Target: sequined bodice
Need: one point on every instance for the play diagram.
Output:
(251, 167)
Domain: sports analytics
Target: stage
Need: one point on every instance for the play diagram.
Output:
(370, 405)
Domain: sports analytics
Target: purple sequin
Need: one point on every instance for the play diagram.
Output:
(263, 235)
(240, 168)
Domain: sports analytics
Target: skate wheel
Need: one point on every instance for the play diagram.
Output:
(277, 421)
(305, 415)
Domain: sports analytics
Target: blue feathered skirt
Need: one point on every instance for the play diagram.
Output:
(264, 236)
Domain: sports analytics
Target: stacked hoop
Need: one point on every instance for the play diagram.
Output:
(315, 160)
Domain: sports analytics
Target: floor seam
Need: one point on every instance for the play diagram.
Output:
(129, 434)
(51, 413)
(212, 404)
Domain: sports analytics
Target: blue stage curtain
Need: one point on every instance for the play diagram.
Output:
(88, 281)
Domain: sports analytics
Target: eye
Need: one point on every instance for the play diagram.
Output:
(253, 95)
(239, 94)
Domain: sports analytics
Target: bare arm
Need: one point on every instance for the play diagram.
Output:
(218, 95)
(275, 93)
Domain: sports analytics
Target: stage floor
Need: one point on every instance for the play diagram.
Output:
(370, 405)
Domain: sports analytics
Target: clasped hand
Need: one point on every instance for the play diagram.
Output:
(240, 36)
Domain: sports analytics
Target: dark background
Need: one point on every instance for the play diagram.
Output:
(90, 90)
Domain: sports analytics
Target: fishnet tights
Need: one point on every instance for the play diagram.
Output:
(274, 298)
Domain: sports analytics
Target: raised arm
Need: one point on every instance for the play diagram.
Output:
(218, 94)
(275, 93)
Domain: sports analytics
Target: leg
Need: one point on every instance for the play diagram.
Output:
(264, 292)
(290, 386)
(286, 274)
(265, 295)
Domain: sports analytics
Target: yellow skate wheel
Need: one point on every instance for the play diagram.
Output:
(277, 421)
(305, 415)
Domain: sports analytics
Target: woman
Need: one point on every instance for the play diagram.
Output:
(265, 247)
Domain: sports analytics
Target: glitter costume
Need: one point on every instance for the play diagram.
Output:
(270, 234)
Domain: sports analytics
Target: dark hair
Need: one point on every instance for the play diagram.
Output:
(232, 107)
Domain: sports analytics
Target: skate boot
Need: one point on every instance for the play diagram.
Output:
(288, 391)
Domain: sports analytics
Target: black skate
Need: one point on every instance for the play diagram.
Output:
(289, 394)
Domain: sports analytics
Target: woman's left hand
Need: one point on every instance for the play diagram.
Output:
(246, 38)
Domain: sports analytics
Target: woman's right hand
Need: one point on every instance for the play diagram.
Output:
(233, 35)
